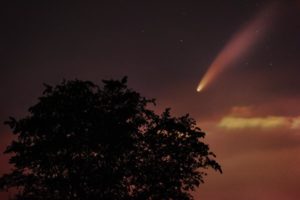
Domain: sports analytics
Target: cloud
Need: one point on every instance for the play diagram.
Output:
(296, 123)
(250, 117)
(232, 122)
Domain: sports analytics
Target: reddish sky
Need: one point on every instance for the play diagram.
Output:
(250, 111)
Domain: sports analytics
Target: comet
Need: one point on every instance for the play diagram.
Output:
(239, 45)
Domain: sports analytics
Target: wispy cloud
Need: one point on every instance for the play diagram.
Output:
(231, 122)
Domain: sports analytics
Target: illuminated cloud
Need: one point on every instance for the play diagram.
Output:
(234, 122)
(296, 123)
(252, 122)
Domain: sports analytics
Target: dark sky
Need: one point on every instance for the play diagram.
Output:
(250, 112)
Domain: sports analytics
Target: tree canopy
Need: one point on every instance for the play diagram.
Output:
(84, 141)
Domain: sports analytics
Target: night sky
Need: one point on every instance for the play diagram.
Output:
(250, 111)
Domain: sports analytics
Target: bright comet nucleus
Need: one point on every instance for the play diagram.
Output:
(199, 88)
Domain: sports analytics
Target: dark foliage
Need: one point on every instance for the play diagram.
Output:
(85, 142)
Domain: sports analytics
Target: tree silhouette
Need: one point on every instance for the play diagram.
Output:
(83, 141)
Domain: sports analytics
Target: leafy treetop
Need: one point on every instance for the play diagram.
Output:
(83, 141)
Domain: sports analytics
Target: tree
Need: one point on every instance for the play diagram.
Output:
(83, 141)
